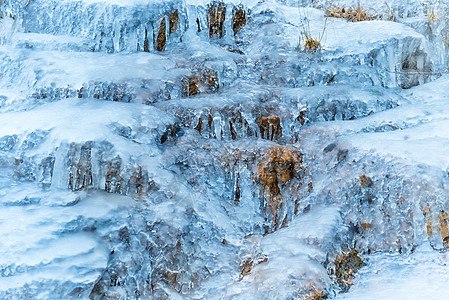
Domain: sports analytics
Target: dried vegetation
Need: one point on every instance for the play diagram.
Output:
(307, 41)
(346, 266)
(352, 14)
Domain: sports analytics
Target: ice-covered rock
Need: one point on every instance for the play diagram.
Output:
(190, 149)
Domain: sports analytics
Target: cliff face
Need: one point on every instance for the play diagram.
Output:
(196, 149)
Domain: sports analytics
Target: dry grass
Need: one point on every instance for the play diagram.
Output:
(311, 45)
(356, 14)
(431, 15)
(307, 41)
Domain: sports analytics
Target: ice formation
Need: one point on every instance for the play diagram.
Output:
(195, 150)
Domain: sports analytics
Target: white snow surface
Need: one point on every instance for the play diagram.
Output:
(421, 275)
(423, 127)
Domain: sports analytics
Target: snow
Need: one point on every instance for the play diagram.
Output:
(90, 120)
(421, 275)
(37, 245)
(422, 133)
(75, 68)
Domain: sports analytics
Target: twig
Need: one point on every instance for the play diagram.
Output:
(391, 12)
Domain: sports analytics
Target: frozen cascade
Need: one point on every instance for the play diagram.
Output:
(188, 150)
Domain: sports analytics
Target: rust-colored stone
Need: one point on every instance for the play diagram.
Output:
(173, 21)
(171, 277)
(232, 130)
(429, 227)
(193, 87)
(310, 187)
(249, 263)
(146, 42)
(210, 120)
(238, 19)
(365, 225)
(237, 192)
(204, 80)
(277, 167)
(270, 127)
(161, 36)
(216, 18)
(443, 218)
(365, 181)
(246, 267)
(198, 24)
(199, 126)
(302, 116)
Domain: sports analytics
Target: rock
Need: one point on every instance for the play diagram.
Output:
(161, 35)
(216, 19)
(346, 266)
(365, 181)
(239, 19)
(173, 21)
(276, 167)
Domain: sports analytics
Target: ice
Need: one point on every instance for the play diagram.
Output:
(40, 248)
(421, 275)
(418, 131)
(190, 149)
(292, 254)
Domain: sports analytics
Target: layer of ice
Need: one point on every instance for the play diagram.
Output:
(225, 164)
(421, 275)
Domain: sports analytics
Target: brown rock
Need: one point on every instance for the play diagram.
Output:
(161, 36)
(238, 19)
(365, 181)
(246, 267)
(173, 21)
(443, 225)
(146, 42)
(216, 18)
(237, 192)
(341, 155)
(193, 87)
(277, 166)
(270, 127)
(365, 225)
(204, 80)
(346, 266)
(80, 166)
